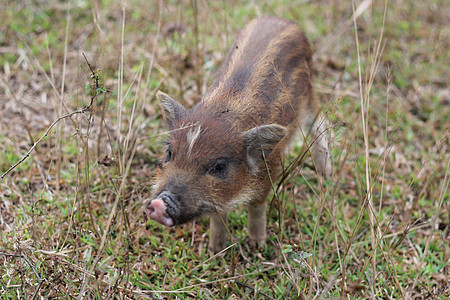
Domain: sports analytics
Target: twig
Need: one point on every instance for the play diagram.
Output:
(83, 284)
(442, 196)
(10, 255)
(37, 289)
(197, 63)
(253, 289)
(184, 289)
(212, 257)
(97, 88)
(23, 256)
(80, 111)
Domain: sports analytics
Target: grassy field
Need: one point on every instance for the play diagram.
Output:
(71, 219)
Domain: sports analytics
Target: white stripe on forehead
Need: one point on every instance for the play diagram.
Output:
(192, 136)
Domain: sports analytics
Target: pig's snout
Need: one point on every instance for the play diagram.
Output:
(157, 210)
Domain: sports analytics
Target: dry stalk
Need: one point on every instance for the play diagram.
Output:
(96, 89)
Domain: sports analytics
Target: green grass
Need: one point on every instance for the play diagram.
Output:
(70, 224)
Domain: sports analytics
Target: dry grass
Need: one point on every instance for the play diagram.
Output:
(71, 214)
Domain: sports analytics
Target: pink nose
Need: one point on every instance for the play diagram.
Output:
(156, 210)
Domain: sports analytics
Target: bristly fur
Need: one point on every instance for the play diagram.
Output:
(258, 97)
(192, 137)
(265, 79)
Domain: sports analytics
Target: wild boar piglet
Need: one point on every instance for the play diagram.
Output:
(222, 151)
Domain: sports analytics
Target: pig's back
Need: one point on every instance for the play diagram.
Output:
(266, 77)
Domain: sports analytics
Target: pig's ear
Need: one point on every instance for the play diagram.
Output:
(172, 110)
(260, 142)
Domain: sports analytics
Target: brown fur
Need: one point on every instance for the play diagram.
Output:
(265, 79)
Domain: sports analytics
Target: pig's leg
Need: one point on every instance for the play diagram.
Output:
(257, 223)
(217, 232)
(319, 149)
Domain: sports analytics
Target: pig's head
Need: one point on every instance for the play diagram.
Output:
(210, 162)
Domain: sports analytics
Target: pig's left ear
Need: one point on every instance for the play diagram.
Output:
(172, 110)
(260, 142)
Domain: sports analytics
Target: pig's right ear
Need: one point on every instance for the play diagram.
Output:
(172, 110)
(260, 142)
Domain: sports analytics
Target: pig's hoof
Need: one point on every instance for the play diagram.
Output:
(257, 244)
(216, 246)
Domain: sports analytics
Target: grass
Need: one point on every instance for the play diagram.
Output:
(71, 222)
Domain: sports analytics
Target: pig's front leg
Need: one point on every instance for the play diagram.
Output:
(257, 223)
(217, 232)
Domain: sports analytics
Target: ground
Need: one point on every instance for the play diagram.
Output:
(71, 220)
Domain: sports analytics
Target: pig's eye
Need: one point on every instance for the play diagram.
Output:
(168, 155)
(220, 168)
